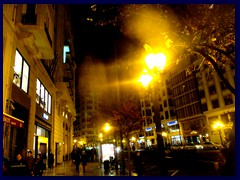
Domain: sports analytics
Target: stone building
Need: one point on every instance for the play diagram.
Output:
(38, 80)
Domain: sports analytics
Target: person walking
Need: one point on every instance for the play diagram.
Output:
(38, 166)
(138, 164)
(19, 166)
(84, 160)
(30, 163)
(50, 160)
(77, 159)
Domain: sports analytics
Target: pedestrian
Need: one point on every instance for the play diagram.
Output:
(30, 163)
(77, 159)
(44, 158)
(5, 167)
(38, 166)
(84, 160)
(50, 160)
(19, 166)
(138, 163)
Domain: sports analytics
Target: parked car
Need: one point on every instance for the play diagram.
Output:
(193, 146)
(211, 145)
(177, 147)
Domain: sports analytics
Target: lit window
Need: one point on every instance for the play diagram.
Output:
(21, 72)
(43, 98)
(38, 91)
(66, 49)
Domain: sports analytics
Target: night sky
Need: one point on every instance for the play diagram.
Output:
(102, 42)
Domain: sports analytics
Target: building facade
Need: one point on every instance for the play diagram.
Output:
(188, 105)
(36, 107)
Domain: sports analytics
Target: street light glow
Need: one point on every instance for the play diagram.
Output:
(156, 60)
(145, 80)
(217, 125)
(164, 134)
(107, 127)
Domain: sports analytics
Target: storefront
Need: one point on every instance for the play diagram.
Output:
(13, 131)
(174, 132)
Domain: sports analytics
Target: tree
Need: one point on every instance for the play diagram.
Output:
(121, 103)
(204, 29)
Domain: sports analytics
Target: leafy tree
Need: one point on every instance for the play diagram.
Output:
(204, 29)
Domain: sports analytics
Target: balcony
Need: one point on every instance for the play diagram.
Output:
(35, 35)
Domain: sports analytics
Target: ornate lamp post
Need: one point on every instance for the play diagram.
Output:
(156, 64)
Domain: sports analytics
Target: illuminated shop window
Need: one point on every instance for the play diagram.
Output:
(21, 72)
(44, 99)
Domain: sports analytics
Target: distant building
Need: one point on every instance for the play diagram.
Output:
(86, 126)
(189, 103)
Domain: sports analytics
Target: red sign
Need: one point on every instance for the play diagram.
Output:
(13, 121)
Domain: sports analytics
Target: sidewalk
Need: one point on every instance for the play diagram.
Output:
(67, 168)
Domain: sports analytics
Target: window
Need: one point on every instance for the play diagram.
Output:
(66, 49)
(166, 114)
(223, 86)
(170, 102)
(172, 113)
(148, 112)
(21, 72)
(215, 104)
(160, 108)
(212, 89)
(204, 107)
(165, 103)
(163, 92)
(201, 93)
(44, 99)
(149, 121)
(228, 100)
(147, 103)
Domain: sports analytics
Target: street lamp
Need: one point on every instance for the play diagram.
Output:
(156, 64)
(218, 126)
(107, 128)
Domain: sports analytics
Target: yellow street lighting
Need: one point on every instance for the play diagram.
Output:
(164, 134)
(133, 138)
(107, 127)
(156, 60)
(217, 125)
(145, 80)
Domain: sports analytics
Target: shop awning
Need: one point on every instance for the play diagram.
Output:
(13, 121)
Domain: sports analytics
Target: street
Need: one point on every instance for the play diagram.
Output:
(182, 164)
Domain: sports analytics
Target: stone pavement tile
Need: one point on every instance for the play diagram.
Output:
(67, 168)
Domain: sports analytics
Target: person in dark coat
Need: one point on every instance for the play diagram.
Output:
(138, 164)
(77, 159)
(38, 166)
(50, 160)
(84, 160)
(5, 167)
(30, 163)
(19, 166)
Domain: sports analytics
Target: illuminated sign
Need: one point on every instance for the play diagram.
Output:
(13, 121)
(45, 116)
(107, 151)
(172, 123)
(148, 129)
